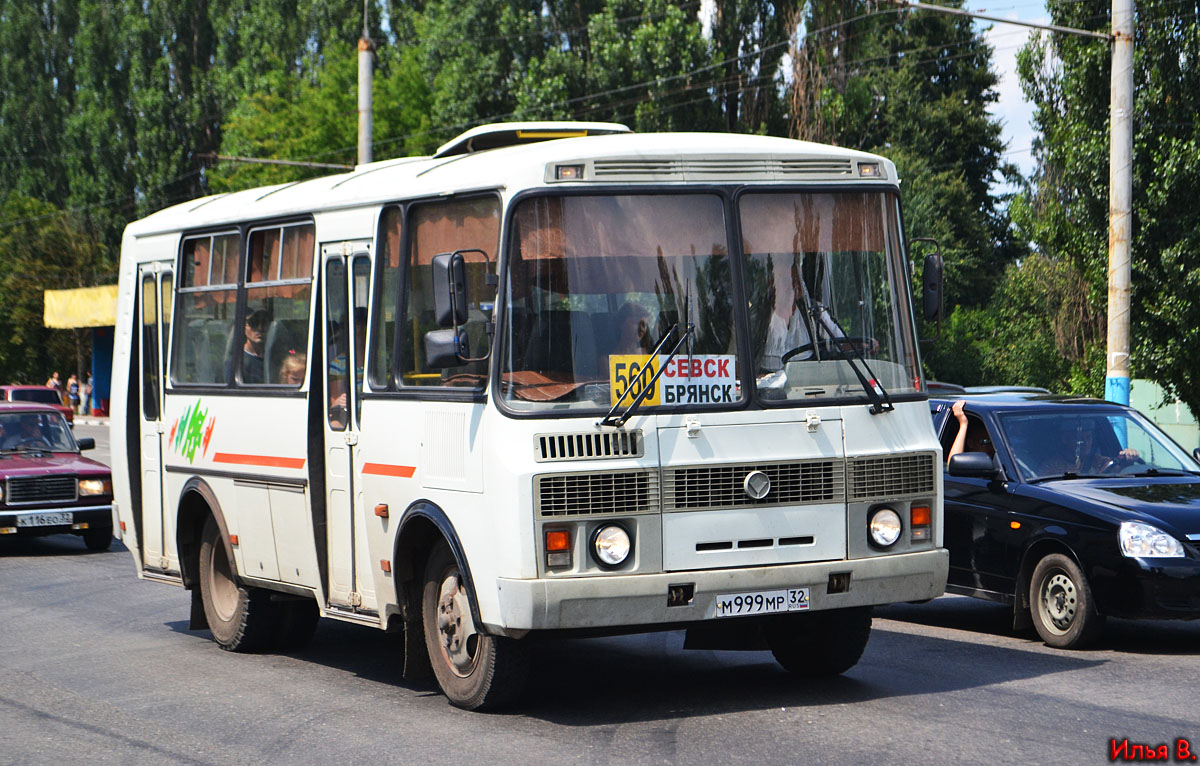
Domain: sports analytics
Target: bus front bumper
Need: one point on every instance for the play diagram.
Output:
(641, 600)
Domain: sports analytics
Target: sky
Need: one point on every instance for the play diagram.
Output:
(1006, 40)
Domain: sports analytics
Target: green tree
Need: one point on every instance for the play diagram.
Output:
(1065, 211)
(914, 87)
(296, 119)
(45, 248)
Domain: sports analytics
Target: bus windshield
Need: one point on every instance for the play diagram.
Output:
(596, 283)
(827, 288)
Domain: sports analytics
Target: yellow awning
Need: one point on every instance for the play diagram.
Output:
(82, 307)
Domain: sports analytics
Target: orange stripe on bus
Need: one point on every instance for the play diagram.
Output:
(261, 460)
(383, 469)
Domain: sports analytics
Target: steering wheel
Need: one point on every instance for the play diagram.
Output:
(34, 441)
(862, 341)
(1125, 463)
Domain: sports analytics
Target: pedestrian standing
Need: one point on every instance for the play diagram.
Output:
(73, 392)
(87, 395)
(56, 383)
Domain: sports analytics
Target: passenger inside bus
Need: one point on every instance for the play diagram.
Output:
(253, 348)
(291, 371)
(633, 330)
(339, 368)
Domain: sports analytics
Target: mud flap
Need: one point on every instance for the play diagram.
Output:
(198, 620)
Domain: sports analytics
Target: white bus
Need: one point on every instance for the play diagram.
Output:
(530, 387)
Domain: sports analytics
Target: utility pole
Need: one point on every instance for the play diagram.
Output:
(366, 62)
(1120, 203)
(1120, 179)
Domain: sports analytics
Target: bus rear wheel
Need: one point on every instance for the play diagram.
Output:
(820, 644)
(241, 619)
(474, 670)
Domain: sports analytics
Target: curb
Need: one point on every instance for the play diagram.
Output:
(90, 421)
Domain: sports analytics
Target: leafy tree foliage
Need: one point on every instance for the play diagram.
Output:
(916, 88)
(1065, 211)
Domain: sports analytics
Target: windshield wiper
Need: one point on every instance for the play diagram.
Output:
(880, 401)
(618, 421)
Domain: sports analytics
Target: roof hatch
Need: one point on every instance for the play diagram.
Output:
(500, 134)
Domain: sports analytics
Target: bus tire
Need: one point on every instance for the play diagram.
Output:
(473, 669)
(241, 619)
(820, 644)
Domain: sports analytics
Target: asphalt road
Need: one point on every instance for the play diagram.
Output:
(98, 667)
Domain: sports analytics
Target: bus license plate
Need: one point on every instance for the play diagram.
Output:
(44, 519)
(761, 602)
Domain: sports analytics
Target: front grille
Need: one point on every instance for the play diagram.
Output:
(589, 494)
(588, 446)
(702, 488)
(889, 476)
(40, 489)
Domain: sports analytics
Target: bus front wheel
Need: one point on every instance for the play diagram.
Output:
(473, 669)
(240, 618)
(820, 644)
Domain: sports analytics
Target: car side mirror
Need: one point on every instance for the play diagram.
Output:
(978, 465)
(450, 289)
(86, 442)
(1196, 454)
(445, 348)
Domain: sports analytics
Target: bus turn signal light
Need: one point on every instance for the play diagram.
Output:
(920, 521)
(558, 548)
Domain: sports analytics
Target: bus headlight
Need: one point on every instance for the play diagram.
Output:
(884, 526)
(611, 545)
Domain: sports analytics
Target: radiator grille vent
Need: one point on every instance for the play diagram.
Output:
(591, 494)
(40, 489)
(890, 476)
(721, 168)
(692, 489)
(588, 446)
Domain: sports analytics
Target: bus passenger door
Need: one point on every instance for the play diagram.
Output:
(347, 279)
(155, 283)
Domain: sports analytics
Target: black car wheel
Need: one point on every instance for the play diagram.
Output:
(819, 644)
(1064, 611)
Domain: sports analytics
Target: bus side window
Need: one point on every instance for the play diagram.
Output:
(387, 299)
(443, 227)
(207, 305)
(278, 289)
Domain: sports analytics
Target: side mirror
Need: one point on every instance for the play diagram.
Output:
(450, 289)
(1196, 454)
(86, 442)
(931, 287)
(445, 348)
(972, 464)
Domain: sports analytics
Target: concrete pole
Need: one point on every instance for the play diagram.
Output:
(366, 61)
(1120, 203)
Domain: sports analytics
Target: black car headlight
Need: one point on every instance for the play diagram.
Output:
(1144, 541)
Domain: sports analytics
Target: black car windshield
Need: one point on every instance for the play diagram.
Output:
(35, 431)
(1071, 443)
(596, 283)
(826, 284)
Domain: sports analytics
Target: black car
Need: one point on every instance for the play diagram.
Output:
(1071, 510)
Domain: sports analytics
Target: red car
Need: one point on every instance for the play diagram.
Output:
(46, 486)
(38, 394)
